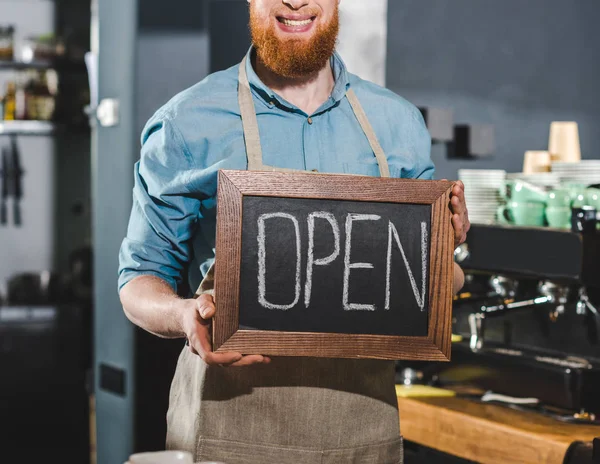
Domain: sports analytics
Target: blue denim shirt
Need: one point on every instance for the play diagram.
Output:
(171, 230)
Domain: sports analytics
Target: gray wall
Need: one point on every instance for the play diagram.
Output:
(517, 65)
(172, 53)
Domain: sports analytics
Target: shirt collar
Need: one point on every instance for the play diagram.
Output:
(341, 86)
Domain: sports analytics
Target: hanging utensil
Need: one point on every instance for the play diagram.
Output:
(4, 189)
(17, 173)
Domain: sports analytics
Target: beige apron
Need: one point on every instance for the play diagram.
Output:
(293, 410)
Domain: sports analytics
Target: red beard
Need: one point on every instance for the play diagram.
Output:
(294, 58)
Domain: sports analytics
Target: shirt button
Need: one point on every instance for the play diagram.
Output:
(309, 120)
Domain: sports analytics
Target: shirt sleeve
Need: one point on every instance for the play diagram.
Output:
(413, 145)
(165, 212)
(424, 167)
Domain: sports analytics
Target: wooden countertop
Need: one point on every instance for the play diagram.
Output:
(488, 433)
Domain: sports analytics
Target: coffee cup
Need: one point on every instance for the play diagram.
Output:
(575, 189)
(558, 217)
(580, 200)
(522, 213)
(563, 143)
(161, 457)
(592, 196)
(560, 197)
(517, 190)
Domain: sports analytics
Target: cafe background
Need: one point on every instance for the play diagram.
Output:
(495, 74)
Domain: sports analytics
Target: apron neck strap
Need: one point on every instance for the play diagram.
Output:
(359, 112)
(249, 121)
(252, 136)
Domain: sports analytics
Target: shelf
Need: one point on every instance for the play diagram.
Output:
(27, 128)
(58, 65)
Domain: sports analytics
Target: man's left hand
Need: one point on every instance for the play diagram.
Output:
(460, 215)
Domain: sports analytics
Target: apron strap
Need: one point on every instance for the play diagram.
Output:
(249, 121)
(254, 150)
(359, 112)
(252, 136)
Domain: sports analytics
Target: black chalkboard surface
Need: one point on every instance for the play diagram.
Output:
(322, 266)
(333, 266)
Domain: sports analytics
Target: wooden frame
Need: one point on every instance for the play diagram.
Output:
(234, 185)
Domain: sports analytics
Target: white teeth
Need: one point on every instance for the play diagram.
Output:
(291, 22)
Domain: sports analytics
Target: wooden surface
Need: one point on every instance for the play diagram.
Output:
(234, 185)
(488, 433)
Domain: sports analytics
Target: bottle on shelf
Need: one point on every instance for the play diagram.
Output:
(10, 102)
(20, 100)
(41, 102)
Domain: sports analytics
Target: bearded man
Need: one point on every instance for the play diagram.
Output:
(290, 105)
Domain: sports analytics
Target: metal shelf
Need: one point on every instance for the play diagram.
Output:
(27, 128)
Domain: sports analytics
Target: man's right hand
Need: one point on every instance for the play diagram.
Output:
(195, 322)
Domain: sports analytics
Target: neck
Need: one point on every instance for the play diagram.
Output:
(307, 93)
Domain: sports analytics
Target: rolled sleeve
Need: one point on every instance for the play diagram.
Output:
(411, 155)
(424, 167)
(165, 212)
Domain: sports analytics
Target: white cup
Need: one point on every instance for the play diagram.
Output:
(161, 457)
(563, 144)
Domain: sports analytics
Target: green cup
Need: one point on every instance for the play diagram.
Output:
(560, 197)
(576, 189)
(592, 196)
(558, 217)
(579, 200)
(522, 214)
(519, 191)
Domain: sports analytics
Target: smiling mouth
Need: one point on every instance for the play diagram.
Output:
(295, 22)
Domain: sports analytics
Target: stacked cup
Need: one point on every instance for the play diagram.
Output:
(561, 201)
(558, 207)
(525, 204)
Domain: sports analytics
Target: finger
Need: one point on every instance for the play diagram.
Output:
(460, 234)
(203, 349)
(458, 226)
(251, 359)
(225, 359)
(458, 190)
(458, 206)
(205, 306)
(201, 341)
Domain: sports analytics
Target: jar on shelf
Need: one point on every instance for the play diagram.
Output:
(7, 41)
(41, 101)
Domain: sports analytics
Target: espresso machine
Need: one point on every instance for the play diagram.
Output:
(527, 323)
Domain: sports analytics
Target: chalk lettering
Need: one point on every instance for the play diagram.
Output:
(348, 266)
(419, 296)
(311, 261)
(262, 258)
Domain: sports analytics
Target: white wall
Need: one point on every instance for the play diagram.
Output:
(29, 247)
(363, 38)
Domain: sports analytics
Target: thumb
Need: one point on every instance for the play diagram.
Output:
(206, 306)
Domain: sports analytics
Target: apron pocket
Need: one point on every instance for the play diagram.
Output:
(387, 452)
(233, 452)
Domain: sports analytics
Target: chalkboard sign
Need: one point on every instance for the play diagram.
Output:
(333, 266)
